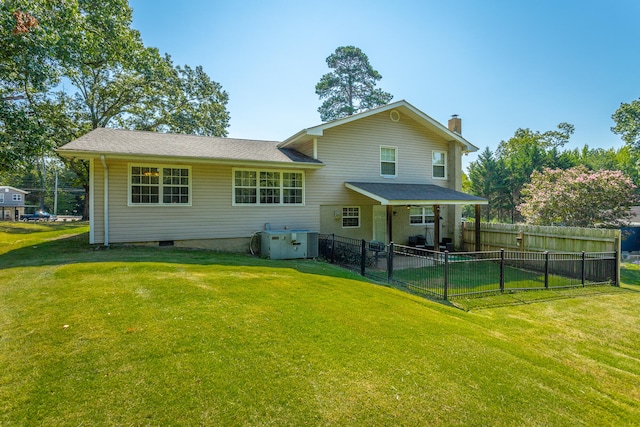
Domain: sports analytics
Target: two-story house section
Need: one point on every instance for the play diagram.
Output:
(11, 203)
(385, 174)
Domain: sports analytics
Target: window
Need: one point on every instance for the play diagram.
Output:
(421, 215)
(255, 187)
(158, 185)
(439, 162)
(388, 161)
(1, 197)
(16, 197)
(351, 217)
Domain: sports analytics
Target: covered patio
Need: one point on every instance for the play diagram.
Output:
(396, 194)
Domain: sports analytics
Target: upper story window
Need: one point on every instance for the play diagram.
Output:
(159, 185)
(1, 197)
(267, 187)
(389, 161)
(16, 197)
(351, 217)
(421, 215)
(439, 164)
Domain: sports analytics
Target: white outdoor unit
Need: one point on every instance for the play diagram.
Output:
(289, 244)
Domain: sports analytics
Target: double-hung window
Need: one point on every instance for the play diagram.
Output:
(388, 161)
(267, 187)
(421, 215)
(439, 164)
(1, 197)
(159, 185)
(351, 217)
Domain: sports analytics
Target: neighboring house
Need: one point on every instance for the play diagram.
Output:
(11, 203)
(377, 175)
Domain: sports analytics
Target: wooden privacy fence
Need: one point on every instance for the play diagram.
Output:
(520, 237)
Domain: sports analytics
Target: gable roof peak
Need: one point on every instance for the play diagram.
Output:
(402, 106)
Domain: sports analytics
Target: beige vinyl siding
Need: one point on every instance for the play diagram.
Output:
(210, 216)
(352, 153)
(306, 148)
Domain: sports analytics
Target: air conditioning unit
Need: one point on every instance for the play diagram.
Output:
(289, 244)
(312, 244)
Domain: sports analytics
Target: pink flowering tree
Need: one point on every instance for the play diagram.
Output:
(577, 197)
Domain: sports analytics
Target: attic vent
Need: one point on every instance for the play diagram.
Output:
(394, 115)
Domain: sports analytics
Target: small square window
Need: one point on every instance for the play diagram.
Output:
(351, 217)
(421, 215)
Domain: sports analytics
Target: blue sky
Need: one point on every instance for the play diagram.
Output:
(500, 65)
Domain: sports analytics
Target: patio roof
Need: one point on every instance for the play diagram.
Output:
(394, 194)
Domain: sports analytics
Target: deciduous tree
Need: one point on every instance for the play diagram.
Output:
(577, 197)
(627, 118)
(111, 79)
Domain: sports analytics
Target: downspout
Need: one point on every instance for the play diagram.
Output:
(106, 200)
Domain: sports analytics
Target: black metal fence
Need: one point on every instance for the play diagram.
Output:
(448, 275)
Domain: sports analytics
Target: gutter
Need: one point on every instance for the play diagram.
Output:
(106, 199)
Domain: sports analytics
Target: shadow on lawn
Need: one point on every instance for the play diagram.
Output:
(76, 249)
(34, 227)
(530, 297)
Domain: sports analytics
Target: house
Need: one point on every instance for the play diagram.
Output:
(385, 174)
(11, 203)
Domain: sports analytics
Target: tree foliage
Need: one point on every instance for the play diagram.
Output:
(109, 79)
(489, 179)
(577, 197)
(351, 86)
(627, 118)
(28, 69)
(500, 176)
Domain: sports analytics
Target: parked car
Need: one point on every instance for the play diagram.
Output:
(38, 216)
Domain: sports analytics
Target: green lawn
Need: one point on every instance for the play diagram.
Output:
(162, 336)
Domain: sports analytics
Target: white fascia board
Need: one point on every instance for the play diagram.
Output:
(384, 201)
(437, 202)
(198, 160)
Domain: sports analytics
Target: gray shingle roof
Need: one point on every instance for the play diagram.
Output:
(139, 143)
(407, 194)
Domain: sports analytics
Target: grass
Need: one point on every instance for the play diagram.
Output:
(150, 336)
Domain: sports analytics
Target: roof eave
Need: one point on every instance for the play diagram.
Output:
(399, 202)
(87, 155)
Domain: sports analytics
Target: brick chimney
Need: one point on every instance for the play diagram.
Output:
(455, 124)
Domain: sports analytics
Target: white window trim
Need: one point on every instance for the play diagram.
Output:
(395, 149)
(257, 171)
(445, 165)
(16, 197)
(160, 185)
(423, 215)
(359, 216)
(1, 197)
